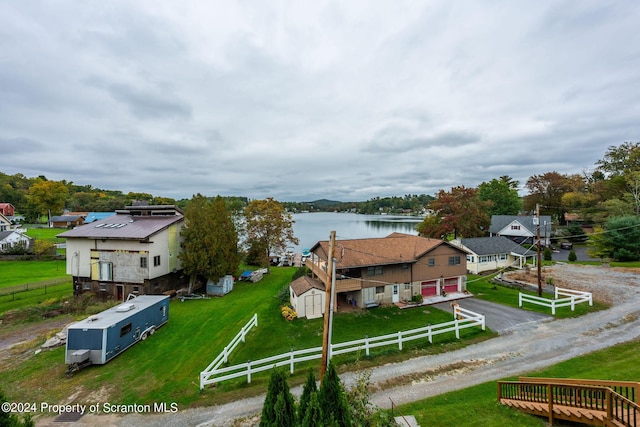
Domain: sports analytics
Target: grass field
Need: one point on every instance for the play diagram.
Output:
(48, 234)
(171, 361)
(478, 406)
(13, 273)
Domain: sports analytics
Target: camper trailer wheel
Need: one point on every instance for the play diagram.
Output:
(152, 331)
(144, 336)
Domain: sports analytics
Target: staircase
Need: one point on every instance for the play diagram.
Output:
(592, 402)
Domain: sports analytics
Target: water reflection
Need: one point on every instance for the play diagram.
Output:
(310, 228)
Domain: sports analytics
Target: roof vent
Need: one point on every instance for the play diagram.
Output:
(93, 318)
(125, 307)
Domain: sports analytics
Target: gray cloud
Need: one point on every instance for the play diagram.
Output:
(329, 99)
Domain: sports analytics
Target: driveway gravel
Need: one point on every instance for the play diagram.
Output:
(530, 343)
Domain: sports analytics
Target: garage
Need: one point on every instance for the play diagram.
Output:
(429, 288)
(451, 285)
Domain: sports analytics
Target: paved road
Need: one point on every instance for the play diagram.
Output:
(499, 318)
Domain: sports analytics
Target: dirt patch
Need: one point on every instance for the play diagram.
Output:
(609, 285)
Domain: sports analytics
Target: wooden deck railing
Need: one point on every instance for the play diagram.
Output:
(592, 402)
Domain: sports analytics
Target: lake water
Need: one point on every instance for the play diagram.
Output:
(310, 228)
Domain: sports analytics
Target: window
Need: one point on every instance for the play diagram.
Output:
(374, 271)
(86, 286)
(156, 260)
(515, 227)
(103, 287)
(106, 271)
(470, 258)
(379, 289)
(125, 329)
(454, 260)
(136, 289)
(143, 262)
(503, 257)
(407, 286)
(405, 266)
(484, 259)
(432, 262)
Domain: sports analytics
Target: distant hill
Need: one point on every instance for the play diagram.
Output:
(324, 202)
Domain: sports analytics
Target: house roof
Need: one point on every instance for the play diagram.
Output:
(126, 225)
(396, 248)
(65, 218)
(493, 245)
(304, 284)
(5, 234)
(95, 216)
(499, 222)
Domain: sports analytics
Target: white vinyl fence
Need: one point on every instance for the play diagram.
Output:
(463, 319)
(571, 299)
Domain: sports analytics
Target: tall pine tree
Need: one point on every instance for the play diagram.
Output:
(278, 389)
(332, 400)
(309, 388)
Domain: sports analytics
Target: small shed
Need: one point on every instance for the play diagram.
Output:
(307, 296)
(221, 287)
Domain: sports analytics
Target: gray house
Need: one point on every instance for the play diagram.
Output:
(522, 228)
(494, 253)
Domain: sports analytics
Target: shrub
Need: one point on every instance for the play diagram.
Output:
(417, 298)
(572, 256)
(279, 406)
(547, 255)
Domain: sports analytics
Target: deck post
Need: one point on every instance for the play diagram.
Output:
(550, 401)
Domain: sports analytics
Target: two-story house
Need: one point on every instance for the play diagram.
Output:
(134, 251)
(522, 228)
(391, 269)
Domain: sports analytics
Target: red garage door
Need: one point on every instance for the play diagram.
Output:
(451, 285)
(429, 288)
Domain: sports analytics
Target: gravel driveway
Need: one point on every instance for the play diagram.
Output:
(523, 347)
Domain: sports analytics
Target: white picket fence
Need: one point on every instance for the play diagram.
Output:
(214, 374)
(571, 299)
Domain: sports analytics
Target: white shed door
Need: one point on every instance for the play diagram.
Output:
(313, 306)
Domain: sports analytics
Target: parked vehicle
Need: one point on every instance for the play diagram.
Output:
(566, 245)
(101, 337)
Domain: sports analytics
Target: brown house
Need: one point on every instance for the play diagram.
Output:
(391, 269)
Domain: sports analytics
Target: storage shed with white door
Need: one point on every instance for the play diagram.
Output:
(307, 296)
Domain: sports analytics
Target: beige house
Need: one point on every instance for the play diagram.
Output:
(391, 269)
(134, 251)
(494, 253)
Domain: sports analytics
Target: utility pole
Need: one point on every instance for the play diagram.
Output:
(328, 309)
(539, 244)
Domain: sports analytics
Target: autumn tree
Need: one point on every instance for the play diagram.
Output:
(547, 191)
(210, 240)
(503, 195)
(621, 166)
(47, 196)
(459, 212)
(268, 226)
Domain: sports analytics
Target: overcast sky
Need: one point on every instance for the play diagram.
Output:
(302, 100)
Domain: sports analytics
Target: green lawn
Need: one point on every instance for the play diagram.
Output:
(45, 233)
(170, 362)
(13, 273)
(38, 297)
(478, 406)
